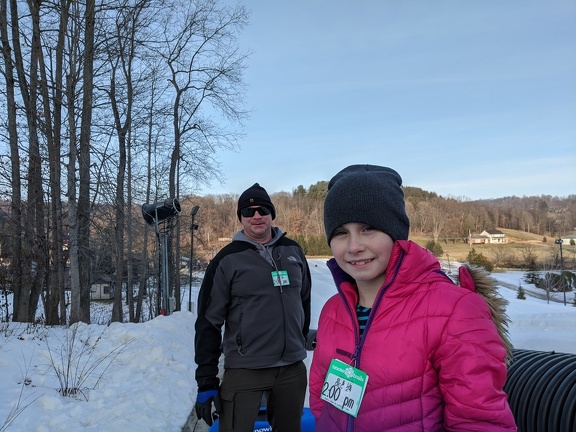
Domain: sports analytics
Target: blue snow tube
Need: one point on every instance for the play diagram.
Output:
(262, 424)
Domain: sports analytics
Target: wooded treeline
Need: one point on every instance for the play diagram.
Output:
(300, 214)
(106, 104)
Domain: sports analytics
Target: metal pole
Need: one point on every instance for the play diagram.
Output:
(192, 228)
(164, 211)
(165, 296)
(190, 269)
(159, 280)
(560, 241)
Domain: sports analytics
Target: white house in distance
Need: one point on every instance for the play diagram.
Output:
(101, 288)
(568, 239)
(489, 237)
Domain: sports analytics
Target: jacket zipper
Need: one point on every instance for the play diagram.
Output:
(359, 341)
(275, 267)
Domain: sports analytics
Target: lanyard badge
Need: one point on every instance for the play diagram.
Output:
(280, 278)
(344, 387)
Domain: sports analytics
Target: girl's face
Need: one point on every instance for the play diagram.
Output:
(363, 252)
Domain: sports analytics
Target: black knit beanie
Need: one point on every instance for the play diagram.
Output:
(253, 196)
(367, 194)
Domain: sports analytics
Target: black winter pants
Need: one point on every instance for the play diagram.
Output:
(241, 393)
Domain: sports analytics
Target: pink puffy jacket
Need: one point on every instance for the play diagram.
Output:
(433, 355)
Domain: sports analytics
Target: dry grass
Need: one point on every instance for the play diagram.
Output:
(519, 244)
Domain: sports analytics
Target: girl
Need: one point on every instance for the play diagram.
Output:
(401, 347)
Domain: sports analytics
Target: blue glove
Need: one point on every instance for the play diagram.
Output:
(204, 405)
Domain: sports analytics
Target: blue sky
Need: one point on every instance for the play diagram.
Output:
(468, 99)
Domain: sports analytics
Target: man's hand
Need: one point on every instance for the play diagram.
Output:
(204, 405)
(311, 340)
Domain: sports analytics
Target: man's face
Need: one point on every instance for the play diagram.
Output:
(259, 225)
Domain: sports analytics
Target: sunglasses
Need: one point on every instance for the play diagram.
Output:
(248, 212)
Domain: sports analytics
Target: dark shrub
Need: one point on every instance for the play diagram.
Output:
(476, 258)
(435, 248)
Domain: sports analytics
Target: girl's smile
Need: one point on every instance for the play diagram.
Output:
(363, 252)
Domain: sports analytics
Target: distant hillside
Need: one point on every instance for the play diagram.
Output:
(520, 236)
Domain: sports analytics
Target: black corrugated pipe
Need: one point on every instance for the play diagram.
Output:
(541, 389)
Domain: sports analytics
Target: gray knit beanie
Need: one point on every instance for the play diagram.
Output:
(253, 196)
(367, 194)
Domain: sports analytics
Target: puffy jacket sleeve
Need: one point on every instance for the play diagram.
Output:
(470, 361)
(318, 370)
(322, 355)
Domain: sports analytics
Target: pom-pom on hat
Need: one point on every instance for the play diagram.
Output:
(368, 194)
(255, 195)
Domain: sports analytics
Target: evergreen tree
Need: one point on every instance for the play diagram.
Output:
(435, 248)
(476, 258)
(521, 295)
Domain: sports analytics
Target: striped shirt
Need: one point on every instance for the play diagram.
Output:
(362, 314)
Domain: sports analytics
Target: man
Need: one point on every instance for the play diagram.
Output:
(258, 287)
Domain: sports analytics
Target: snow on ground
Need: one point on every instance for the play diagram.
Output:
(140, 377)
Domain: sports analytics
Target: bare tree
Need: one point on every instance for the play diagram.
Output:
(28, 67)
(51, 121)
(80, 304)
(72, 80)
(205, 73)
(437, 213)
(16, 227)
(529, 257)
(151, 141)
(121, 52)
(503, 257)
(422, 216)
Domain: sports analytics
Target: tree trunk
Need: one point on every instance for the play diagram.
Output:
(81, 306)
(16, 227)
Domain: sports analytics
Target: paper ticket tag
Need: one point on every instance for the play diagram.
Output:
(344, 387)
(280, 278)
